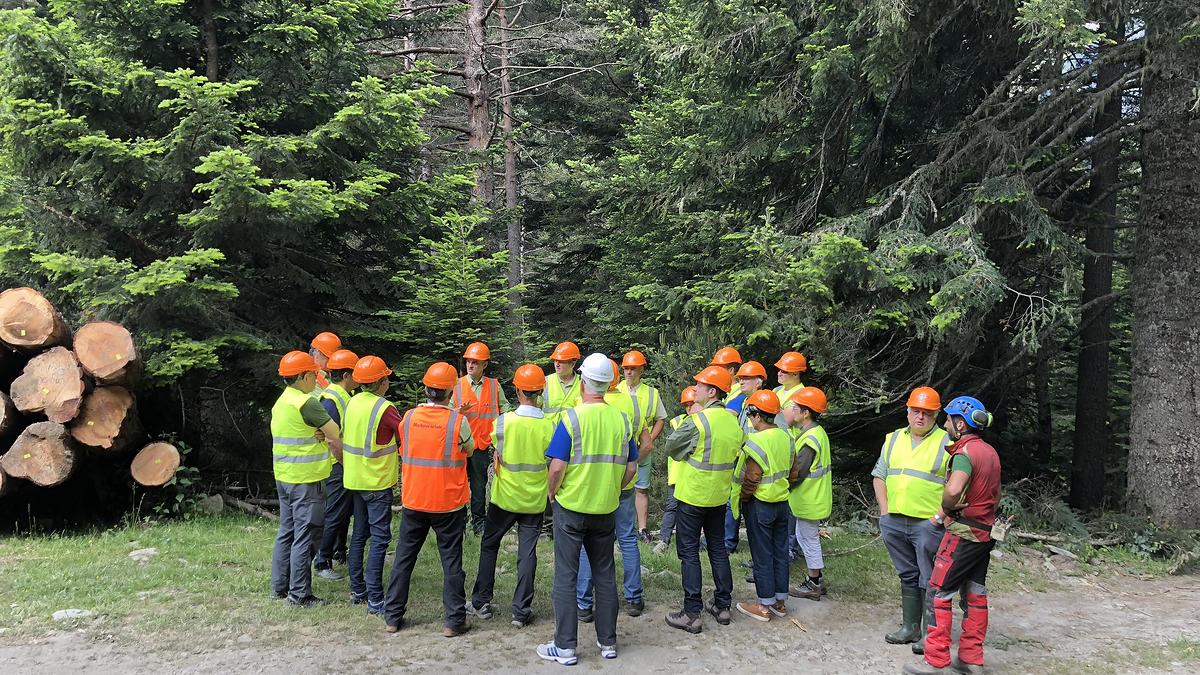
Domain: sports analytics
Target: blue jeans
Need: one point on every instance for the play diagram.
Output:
(337, 519)
(373, 516)
(690, 521)
(732, 526)
(631, 556)
(767, 530)
(912, 544)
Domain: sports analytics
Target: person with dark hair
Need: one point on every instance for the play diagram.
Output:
(335, 398)
(520, 440)
(435, 443)
(811, 499)
(765, 471)
(969, 503)
(302, 440)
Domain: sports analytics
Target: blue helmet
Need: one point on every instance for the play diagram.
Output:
(971, 410)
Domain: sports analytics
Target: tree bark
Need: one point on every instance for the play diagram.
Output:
(1045, 420)
(1092, 439)
(1164, 454)
(44, 454)
(511, 186)
(29, 321)
(211, 51)
(155, 464)
(478, 121)
(51, 383)
(108, 420)
(106, 351)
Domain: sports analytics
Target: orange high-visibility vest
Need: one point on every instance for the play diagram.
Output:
(482, 416)
(434, 473)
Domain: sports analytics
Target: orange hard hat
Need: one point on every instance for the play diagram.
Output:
(633, 359)
(715, 376)
(925, 398)
(687, 396)
(565, 351)
(327, 343)
(752, 369)
(440, 375)
(295, 363)
(726, 356)
(792, 362)
(477, 351)
(342, 359)
(612, 386)
(529, 378)
(765, 400)
(811, 398)
(370, 369)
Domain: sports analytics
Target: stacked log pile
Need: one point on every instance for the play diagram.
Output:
(66, 396)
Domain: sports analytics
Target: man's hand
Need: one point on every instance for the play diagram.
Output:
(464, 407)
(319, 435)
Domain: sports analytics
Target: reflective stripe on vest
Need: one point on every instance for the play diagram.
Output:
(297, 457)
(705, 462)
(643, 415)
(447, 461)
(520, 486)
(600, 436)
(335, 393)
(916, 476)
(812, 498)
(705, 480)
(366, 450)
(559, 399)
(577, 456)
(516, 468)
(433, 475)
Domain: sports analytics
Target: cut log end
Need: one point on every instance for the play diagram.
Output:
(108, 420)
(51, 383)
(8, 416)
(44, 453)
(5, 485)
(155, 464)
(106, 351)
(29, 321)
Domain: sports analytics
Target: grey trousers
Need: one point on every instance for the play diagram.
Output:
(301, 520)
(595, 534)
(912, 543)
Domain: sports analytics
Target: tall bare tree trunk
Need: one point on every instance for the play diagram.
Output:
(478, 121)
(511, 187)
(212, 69)
(1164, 447)
(1092, 437)
(1045, 420)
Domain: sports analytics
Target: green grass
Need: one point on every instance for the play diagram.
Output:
(209, 582)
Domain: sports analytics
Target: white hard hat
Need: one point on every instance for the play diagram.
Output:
(597, 368)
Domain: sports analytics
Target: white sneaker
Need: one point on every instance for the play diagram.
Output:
(551, 653)
(328, 573)
(661, 547)
(607, 651)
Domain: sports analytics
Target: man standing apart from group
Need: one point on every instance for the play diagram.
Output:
(908, 479)
(592, 454)
(969, 502)
(435, 443)
(707, 444)
(481, 400)
(301, 462)
(519, 490)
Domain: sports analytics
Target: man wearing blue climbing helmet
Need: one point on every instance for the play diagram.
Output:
(969, 503)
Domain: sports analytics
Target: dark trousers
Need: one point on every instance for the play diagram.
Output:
(690, 521)
(301, 517)
(337, 519)
(477, 479)
(732, 531)
(414, 528)
(373, 518)
(668, 519)
(767, 531)
(912, 543)
(499, 522)
(595, 534)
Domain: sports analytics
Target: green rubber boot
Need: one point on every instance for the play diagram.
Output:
(912, 603)
(918, 647)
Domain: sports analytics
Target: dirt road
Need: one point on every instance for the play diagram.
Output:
(1087, 624)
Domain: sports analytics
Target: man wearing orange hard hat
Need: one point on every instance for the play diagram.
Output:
(435, 443)
(687, 398)
(729, 359)
(519, 490)
(750, 377)
(481, 400)
(707, 445)
(649, 417)
(370, 437)
(562, 388)
(338, 505)
(302, 438)
(909, 478)
(321, 348)
(790, 365)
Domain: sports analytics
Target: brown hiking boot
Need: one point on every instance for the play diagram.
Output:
(808, 591)
(720, 614)
(456, 631)
(684, 621)
(779, 609)
(754, 610)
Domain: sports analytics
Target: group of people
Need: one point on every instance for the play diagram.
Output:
(575, 455)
